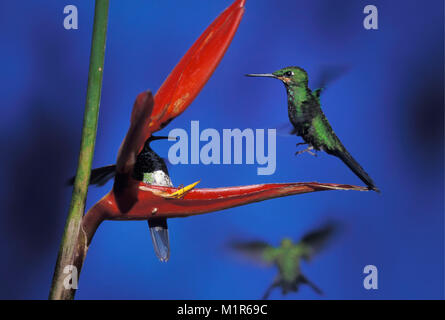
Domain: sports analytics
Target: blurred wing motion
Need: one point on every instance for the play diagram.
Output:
(318, 239)
(328, 75)
(253, 250)
(285, 129)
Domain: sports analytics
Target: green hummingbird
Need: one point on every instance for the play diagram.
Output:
(309, 121)
(149, 168)
(287, 257)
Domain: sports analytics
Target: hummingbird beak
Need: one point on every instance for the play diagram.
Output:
(265, 75)
(153, 138)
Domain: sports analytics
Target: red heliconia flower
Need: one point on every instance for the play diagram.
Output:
(156, 202)
(134, 200)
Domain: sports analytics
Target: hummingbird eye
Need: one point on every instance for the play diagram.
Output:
(289, 74)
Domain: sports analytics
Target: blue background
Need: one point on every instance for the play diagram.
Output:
(388, 111)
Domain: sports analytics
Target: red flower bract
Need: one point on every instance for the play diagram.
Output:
(153, 201)
(182, 85)
(133, 200)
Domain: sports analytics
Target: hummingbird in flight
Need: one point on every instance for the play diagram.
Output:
(149, 168)
(288, 256)
(309, 121)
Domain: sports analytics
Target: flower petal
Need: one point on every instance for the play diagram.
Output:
(179, 89)
(153, 201)
(195, 68)
(140, 118)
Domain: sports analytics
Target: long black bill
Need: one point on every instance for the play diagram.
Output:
(265, 75)
(153, 138)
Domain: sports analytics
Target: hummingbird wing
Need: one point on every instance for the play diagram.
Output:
(286, 129)
(99, 176)
(254, 250)
(316, 240)
(329, 74)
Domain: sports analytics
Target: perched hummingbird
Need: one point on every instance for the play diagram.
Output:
(287, 257)
(309, 121)
(149, 168)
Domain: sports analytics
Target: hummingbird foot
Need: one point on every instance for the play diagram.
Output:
(301, 144)
(183, 191)
(308, 150)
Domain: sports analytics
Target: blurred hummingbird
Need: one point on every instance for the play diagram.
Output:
(149, 168)
(287, 257)
(309, 121)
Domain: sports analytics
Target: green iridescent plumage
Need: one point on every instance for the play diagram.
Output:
(288, 256)
(309, 121)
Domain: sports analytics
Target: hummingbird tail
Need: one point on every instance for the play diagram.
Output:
(357, 169)
(99, 176)
(159, 236)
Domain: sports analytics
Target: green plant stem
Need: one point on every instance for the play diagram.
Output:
(72, 238)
